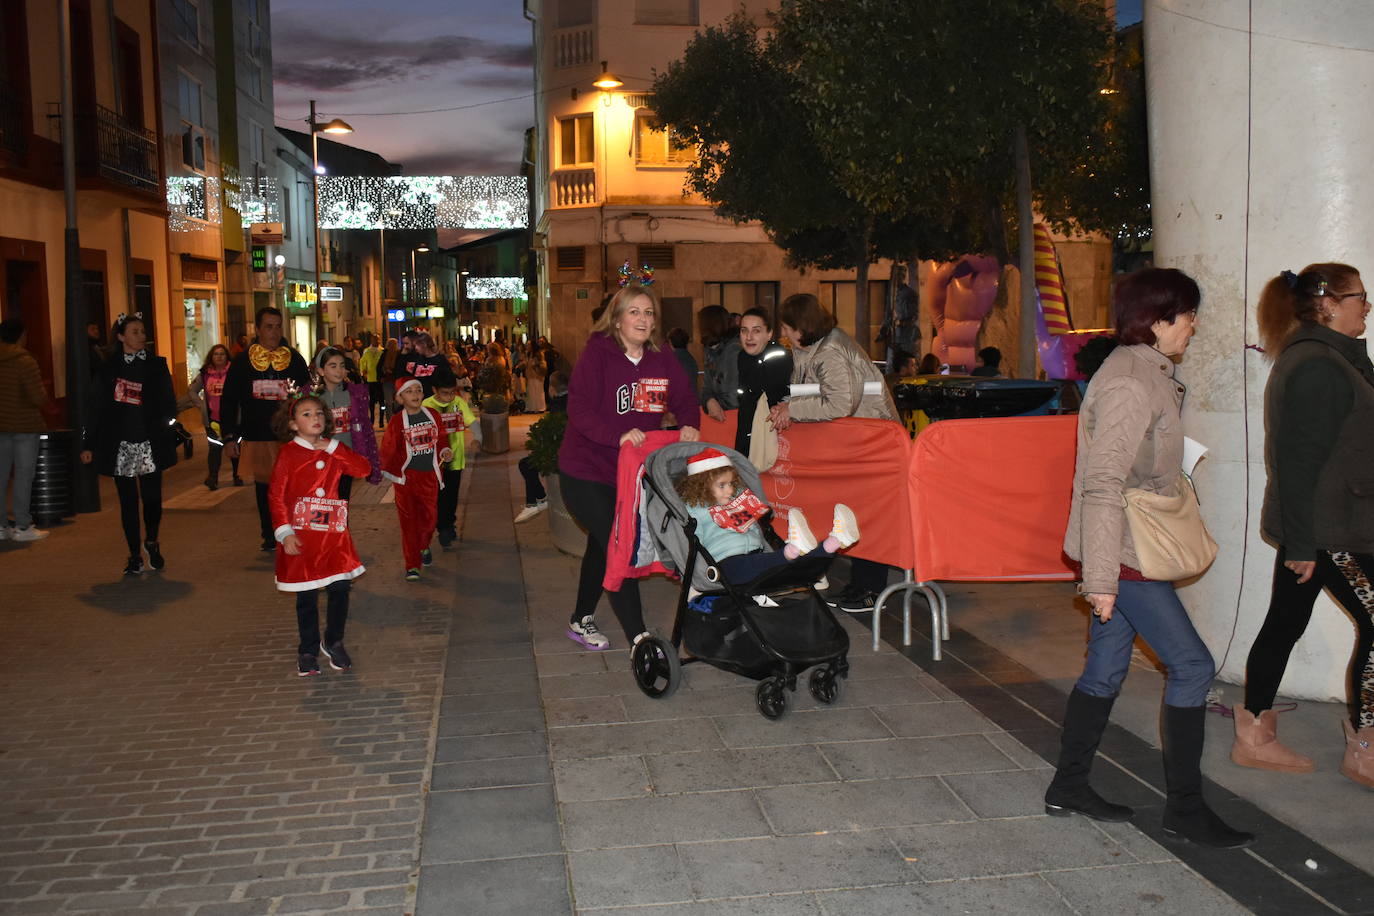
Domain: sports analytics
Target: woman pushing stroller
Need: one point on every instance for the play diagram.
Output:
(727, 514)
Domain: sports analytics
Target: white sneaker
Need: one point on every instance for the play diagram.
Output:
(799, 532)
(530, 512)
(27, 534)
(4, 532)
(586, 632)
(846, 526)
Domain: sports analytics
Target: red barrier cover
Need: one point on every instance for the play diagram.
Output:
(990, 498)
(859, 462)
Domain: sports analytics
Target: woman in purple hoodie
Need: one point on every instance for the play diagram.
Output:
(621, 387)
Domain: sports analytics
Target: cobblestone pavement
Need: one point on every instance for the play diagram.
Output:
(158, 753)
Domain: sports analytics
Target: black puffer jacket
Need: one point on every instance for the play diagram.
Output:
(1319, 445)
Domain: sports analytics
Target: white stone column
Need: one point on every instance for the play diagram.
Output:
(1262, 159)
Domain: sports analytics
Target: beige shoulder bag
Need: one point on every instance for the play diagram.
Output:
(1170, 539)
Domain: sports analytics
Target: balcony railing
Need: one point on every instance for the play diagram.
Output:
(574, 188)
(124, 153)
(108, 147)
(14, 126)
(574, 47)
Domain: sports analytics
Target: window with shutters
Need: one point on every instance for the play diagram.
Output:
(571, 257)
(659, 257)
(575, 12)
(666, 12)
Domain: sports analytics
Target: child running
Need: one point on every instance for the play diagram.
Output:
(413, 459)
(727, 512)
(310, 521)
(455, 416)
(348, 407)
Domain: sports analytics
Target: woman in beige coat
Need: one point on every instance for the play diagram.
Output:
(827, 357)
(1130, 435)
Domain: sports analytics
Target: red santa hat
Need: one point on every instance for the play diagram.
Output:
(708, 459)
(405, 382)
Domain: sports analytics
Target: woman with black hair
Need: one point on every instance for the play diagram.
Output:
(130, 436)
(765, 371)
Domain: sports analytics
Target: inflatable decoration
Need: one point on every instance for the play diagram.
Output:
(961, 294)
(1056, 340)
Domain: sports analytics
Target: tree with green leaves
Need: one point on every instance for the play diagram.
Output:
(862, 123)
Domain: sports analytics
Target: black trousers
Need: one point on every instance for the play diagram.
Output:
(264, 512)
(308, 616)
(1348, 577)
(147, 489)
(593, 506)
(376, 405)
(447, 519)
(534, 487)
(345, 487)
(867, 575)
(215, 458)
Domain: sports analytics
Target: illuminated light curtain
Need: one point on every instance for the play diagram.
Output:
(423, 202)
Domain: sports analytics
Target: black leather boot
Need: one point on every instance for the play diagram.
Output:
(1069, 793)
(1186, 815)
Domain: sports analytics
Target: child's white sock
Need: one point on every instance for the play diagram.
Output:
(831, 544)
(791, 551)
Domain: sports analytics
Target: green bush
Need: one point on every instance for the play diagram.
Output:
(544, 438)
(493, 384)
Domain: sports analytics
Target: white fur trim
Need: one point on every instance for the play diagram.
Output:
(333, 444)
(700, 466)
(283, 532)
(319, 583)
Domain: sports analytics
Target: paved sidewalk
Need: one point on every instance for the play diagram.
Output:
(158, 755)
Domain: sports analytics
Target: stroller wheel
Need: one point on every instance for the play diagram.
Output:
(772, 697)
(656, 667)
(824, 686)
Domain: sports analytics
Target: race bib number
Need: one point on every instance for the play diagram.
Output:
(311, 513)
(214, 387)
(269, 389)
(739, 513)
(342, 418)
(650, 395)
(127, 392)
(421, 437)
(453, 422)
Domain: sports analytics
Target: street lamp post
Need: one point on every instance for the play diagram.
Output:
(336, 126)
(413, 285)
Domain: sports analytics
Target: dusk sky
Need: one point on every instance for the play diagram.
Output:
(360, 60)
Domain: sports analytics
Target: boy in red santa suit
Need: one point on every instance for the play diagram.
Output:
(413, 456)
(314, 549)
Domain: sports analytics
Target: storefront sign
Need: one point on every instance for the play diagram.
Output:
(265, 233)
(331, 294)
(259, 255)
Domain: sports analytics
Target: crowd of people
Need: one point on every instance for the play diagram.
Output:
(303, 429)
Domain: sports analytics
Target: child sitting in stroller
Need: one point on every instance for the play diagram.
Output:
(727, 514)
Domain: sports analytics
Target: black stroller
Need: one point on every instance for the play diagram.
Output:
(770, 629)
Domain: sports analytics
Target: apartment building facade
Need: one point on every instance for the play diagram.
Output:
(608, 182)
(121, 211)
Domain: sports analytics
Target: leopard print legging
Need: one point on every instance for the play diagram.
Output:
(1349, 577)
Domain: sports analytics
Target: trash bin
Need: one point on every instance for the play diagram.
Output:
(52, 478)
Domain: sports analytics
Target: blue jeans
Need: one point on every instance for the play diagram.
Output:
(1153, 610)
(20, 452)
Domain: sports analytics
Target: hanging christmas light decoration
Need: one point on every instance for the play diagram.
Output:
(496, 288)
(193, 203)
(423, 202)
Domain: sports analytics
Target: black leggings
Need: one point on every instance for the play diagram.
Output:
(215, 458)
(308, 616)
(149, 486)
(593, 506)
(1348, 577)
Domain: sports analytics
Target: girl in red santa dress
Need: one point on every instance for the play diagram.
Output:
(413, 456)
(310, 521)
